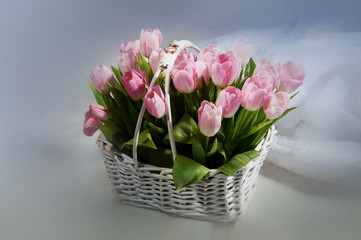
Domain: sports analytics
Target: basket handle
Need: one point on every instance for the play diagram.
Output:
(165, 66)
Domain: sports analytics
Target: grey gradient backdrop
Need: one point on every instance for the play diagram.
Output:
(52, 183)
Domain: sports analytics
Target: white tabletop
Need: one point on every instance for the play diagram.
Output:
(63, 195)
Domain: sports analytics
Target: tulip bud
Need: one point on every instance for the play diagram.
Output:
(93, 119)
(150, 40)
(291, 77)
(100, 76)
(243, 51)
(254, 94)
(225, 69)
(135, 84)
(155, 102)
(209, 118)
(184, 77)
(276, 104)
(230, 100)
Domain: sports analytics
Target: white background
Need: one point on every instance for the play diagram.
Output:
(53, 183)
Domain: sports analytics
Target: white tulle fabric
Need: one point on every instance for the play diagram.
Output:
(322, 138)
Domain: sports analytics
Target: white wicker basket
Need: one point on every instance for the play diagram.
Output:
(217, 197)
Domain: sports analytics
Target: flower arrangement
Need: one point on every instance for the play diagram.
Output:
(221, 102)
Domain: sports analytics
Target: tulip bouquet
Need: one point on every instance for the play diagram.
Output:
(222, 105)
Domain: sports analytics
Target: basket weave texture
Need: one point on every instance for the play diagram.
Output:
(217, 197)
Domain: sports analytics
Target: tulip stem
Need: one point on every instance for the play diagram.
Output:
(194, 99)
(164, 120)
(207, 142)
(213, 99)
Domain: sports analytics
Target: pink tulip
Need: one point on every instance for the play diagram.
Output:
(266, 67)
(129, 54)
(209, 55)
(155, 58)
(184, 77)
(291, 77)
(225, 69)
(150, 40)
(127, 61)
(209, 118)
(243, 51)
(135, 83)
(276, 104)
(155, 102)
(130, 46)
(100, 76)
(230, 100)
(264, 80)
(185, 56)
(254, 94)
(93, 119)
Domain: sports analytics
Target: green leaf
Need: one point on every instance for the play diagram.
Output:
(156, 128)
(255, 117)
(125, 110)
(97, 94)
(117, 82)
(256, 128)
(133, 113)
(249, 120)
(230, 129)
(177, 102)
(161, 157)
(213, 148)
(294, 95)
(119, 97)
(237, 124)
(261, 132)
(261, 116)
(145, 66)
(114, 134)
(145, 140)
(157, 133)
(117, 73)
(187, 171)
(238, 81)
(237, 162)
(286, 112)
(250, 67)
(183, 130)
(220, 150)
(108, 100)
(198, 152)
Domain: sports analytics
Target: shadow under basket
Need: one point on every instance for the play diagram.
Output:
(217, 197)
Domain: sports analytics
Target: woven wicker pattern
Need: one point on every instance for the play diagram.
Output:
(216, 198)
